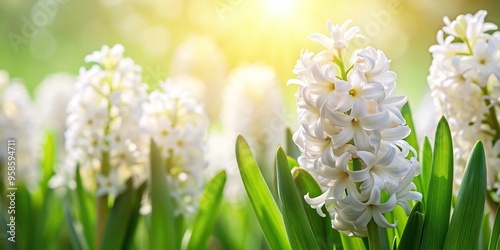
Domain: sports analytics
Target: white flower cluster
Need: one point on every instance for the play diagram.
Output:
(250, 88)
(351, 132)
(464, 82)
(178, 125)
(18, 122)
(103, 118)
(52, 96)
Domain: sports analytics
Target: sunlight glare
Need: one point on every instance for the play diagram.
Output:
(281, 7)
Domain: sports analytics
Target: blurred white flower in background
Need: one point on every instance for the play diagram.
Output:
(199, 56)
(464, 79)
(18, 121)
(102, 122)
(351, 133)
(252, 106)
(178, 125)
(52, 98)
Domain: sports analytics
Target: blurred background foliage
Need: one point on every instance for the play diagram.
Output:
(48, 36)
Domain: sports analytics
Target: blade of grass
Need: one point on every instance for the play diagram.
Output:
(438, 202)
(465, 224)
(297, 225)
(209, 207)
(262, 201)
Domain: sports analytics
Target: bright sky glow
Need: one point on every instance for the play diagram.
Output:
(281, 7)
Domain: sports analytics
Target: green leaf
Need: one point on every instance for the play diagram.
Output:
(495, 233)
(412, 137)
(485, 231)
(83, 205)
(262, 201)
(291, 162)
(326, 236)
(291, 148)
(352, 242)
(77, 240)
(426, 163)
(48, 160)
(121, 219)
(163, 229)
(438, 201)
(297, 225)
(413, 230)
(208, 212)
(465, 224)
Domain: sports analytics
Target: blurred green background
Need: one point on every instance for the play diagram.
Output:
(42, 37)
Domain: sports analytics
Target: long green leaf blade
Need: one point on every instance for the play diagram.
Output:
(438, 201)
(208, 212)
(413, 230)
(426, 163)
(262, 201)
(118, 222)
(326, 236)
(87, 220)
(465, 224)
(412, 138)
(297, 225)
(76, 238)
(163, 232)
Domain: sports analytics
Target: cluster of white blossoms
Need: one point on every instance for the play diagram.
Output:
(178, 126)
(251, 87)
(18, 123)
(52, 95)
(103, 120)
(351, 132)
(464, 82)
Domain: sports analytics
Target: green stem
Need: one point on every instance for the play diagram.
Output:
(492, 119)
(340, 63)
(102, 204)
(373, 236)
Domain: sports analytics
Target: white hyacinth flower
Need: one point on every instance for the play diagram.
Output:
(18, 123)
(352, 132)
(102, 122)
(53, 95)
(464, 82)
(251, 88)
(178, 124)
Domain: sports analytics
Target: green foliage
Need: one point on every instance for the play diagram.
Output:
(207, 212)
(413, 231)
(262, 201)
(163, 234)
(465, 224)
(297, 225)
(122, 220)
(326, 236)
(292, 149)
(438, 202)
(495, 233)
